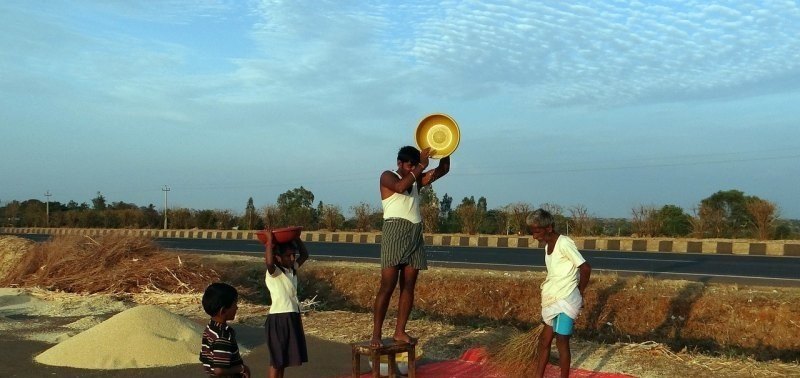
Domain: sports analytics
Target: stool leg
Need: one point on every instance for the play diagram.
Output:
(356, 364)
(376, 365)
(412, 361)
(392, 365)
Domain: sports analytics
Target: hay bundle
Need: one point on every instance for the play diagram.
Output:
(12, 249)
(107, 264)
(518, 356)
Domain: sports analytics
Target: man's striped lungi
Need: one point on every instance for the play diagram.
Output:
(402, 243)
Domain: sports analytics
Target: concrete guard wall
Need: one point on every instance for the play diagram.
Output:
(716, 246)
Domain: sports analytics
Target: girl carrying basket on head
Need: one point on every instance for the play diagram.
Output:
(286, 340)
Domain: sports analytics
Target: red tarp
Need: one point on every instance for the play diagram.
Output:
(473, 364)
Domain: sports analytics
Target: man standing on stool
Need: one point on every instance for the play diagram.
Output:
(402, 243)
(562, 290)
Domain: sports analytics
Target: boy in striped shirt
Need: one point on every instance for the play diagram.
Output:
(219, 353)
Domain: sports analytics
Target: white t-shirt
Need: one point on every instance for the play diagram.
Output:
(283, 291)
(562, 270)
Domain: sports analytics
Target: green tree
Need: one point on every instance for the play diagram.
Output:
(119, 205)
(250, 219)
(783, 231)
(446, 207)
(296, 207)
(99, 202)
(674, 221)
(731, 206)
(151, 216)
(206, 219)
(32, 213)
(494, 222)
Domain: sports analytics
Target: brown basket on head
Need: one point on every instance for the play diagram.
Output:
(280, 235)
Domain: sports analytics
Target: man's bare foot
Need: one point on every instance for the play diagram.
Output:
(404, 338)
(376, 342)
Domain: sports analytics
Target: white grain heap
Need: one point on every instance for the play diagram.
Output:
(140, 337)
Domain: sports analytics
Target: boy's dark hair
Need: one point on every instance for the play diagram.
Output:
(219, 295)
(408, 154)
(282, 248)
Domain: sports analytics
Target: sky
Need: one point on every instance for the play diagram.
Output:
(608, 105)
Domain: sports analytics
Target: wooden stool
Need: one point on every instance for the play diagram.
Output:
(390, 348)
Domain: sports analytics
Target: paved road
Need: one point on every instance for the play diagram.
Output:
(760, 270)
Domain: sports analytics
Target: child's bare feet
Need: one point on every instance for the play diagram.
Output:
(404, 338)
(375, 342)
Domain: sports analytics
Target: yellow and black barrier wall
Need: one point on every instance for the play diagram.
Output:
(719, 246)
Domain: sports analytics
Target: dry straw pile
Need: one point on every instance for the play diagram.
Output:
(106, 264)
(12, 249)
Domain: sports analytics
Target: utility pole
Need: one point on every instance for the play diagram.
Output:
(165, 189)
(47, 194)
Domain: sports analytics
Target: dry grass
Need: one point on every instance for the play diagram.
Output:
(107, 264)
(758, 322)
(12, 249)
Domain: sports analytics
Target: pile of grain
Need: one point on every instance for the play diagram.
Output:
(143, 336)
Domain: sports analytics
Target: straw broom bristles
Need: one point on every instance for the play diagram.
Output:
(517, 356)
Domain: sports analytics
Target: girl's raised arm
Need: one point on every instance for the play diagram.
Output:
(269, 257)
(303, 252)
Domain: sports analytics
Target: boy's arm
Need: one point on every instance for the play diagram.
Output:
(269, 257)
(585, 271)
(303, 252)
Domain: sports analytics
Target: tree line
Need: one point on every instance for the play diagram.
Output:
(724, 214)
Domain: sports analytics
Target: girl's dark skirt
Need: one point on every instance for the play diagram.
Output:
(286, 340)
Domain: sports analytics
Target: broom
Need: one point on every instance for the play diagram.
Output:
(518, 355)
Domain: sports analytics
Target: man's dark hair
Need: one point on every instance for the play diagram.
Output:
(219, 295)
(408, 154)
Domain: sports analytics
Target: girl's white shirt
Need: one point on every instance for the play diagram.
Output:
(282, 288)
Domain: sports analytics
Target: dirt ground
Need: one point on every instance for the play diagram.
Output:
(41, 316)
(36, 319)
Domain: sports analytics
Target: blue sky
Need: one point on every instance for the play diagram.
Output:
(608, 105)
